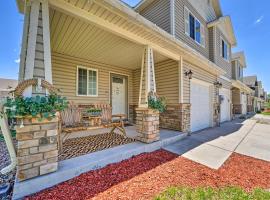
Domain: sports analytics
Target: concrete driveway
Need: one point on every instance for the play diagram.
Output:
(212, 147)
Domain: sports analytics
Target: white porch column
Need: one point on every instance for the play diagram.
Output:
(147, 81)
(36, 49)
(147, 119)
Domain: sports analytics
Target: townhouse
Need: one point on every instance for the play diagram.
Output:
(107, 52)
(202, 26)
(259, 95)
(241, 93)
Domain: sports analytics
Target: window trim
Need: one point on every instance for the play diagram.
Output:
(187, 32)
(77, 81)
(221, 49)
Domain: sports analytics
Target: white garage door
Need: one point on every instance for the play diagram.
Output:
(225, 107)
(200, 106)
(244, 103)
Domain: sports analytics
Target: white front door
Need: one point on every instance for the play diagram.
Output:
(225, 107)
(119, 94)
(200, 99)
(244, 103)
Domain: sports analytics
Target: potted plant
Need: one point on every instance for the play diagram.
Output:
(157, 103)
(38, 107)
(94, 111)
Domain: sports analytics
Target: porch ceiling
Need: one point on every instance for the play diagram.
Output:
(72, 36)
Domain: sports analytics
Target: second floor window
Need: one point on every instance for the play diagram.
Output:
(239, 72)
(194, 28)
(224, 49)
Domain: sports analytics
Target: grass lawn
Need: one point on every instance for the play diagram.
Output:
(266, 113)
(207, 193)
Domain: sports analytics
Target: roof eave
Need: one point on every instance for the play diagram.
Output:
(217, 8)
(142, 5)
(229, 27)
(240, 56)
(20, 6)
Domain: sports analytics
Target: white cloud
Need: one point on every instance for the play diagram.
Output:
(17, 61)
(259, 20)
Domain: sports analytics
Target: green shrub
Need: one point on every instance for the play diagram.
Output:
(40, 107)
(207, 193)
(157, 103)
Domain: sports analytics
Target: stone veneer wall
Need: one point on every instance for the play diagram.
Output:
(171, 118)
(176, 117)
(185, 117)
(132, 113)
(237, 109)
(37, 152)
(250, 108)
(216, 114)
(147, 125)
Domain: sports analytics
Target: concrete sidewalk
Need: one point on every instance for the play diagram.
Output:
(212, 147)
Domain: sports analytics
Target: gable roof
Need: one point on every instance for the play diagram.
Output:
(240, 56)
(250, 80)
(225, 23)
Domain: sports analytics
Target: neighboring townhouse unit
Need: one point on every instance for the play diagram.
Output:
(101, 51)
(202, 26)
(241, 94)
(257, 91)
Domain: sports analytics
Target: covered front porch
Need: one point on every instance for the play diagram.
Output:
(97, 62)
(241, 98)
(100, 53)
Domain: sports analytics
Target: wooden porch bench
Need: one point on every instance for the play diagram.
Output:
(72, 120)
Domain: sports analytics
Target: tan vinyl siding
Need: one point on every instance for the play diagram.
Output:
(136, 86)
(225, 84)
(180, 27)
(234, 70)
(200, 74)
(236, 99)
(219, 60)
(212, 41)
(64, 69)
(236, 66)
(158, 12)
(167, 81)
(204, 8)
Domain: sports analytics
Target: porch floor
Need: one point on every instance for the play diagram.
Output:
(75, 166)
(79, 146)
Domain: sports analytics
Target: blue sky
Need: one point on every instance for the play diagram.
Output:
(251, 20)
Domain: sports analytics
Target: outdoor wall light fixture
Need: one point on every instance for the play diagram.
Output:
(218, 84)
(189, 74)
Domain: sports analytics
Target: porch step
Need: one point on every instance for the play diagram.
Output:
(71, 168)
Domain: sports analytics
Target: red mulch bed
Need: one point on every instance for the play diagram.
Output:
(146, 175)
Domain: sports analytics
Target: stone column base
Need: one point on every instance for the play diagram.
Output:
(237, 109)
(185, 109)
(147, 125)
(37, 152)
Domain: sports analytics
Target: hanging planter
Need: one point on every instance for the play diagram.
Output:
(157, 103)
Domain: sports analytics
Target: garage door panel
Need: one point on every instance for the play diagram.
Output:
(200, 106)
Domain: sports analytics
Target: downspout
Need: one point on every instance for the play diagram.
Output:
(8, 139)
